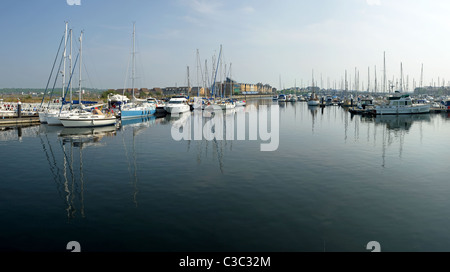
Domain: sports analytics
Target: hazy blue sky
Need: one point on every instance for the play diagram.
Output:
(263, 40)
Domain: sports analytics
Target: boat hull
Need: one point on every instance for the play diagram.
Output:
(313, 103)
(53, 120)
(227, 106)
(88, 122)
(397, 110)
(43, 118)
(128, 114)
(177, 109)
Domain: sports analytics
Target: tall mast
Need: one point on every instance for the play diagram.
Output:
(80, 66)
(346, 86)
(205, 82)
(189, 83)
(231, 79)
(70, 67)
(64, 61)
(384, 72)
(401, 77)
(375, 90)
(421, 76)
(198, 84)
(215, 73)
(133, 60)
(368, 79)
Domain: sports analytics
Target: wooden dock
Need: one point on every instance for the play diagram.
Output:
(23, 120)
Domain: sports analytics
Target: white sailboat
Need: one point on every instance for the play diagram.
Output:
(80, 118)
(94, 119)
(313, 99)
(50, 116)
(137, 107)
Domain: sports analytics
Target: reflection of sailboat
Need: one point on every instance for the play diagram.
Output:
(81, 136)
(313, 110)
(140, 121)
(138, 107)
(178, 120)
(394, 130)
(137, 126)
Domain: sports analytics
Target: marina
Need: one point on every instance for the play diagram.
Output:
(352, 179)
(217, 129)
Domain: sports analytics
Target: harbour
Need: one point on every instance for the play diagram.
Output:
(207, 130)
(336, 182)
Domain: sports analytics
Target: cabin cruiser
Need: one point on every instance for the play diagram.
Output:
(177, 104)
(401, 104)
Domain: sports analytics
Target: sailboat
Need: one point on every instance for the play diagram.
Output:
(81, 118)
(137, 107)
(51, 114)
(313, 99)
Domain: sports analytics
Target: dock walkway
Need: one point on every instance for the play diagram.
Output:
(24, 120)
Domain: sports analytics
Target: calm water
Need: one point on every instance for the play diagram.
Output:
(335, 183)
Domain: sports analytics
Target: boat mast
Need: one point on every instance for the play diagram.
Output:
(401, 77)
(80, 66)
(421, 76)
(64, 63)
(198, 84)
(375, 90)
(215, 73)
(189, 83)
(231, 90)
(384, 72)
(133, 61)
(205, 83)
(70, 68)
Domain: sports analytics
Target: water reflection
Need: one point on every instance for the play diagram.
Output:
(140, 122)
(313, 110)
(11, 133)
(212, 131)
(83, 137)
(136, 126)
(400, 122)
(394, 129)
(72, 170)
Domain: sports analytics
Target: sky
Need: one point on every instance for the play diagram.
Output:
(284, 43)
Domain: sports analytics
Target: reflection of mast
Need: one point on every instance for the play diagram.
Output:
(138, 125)
(313, 114)
(71, 191)
(383, 148)
(345, 125)
(356, 128)
(82, 181)
(54, 169)
(135, 169)
(65, 189)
